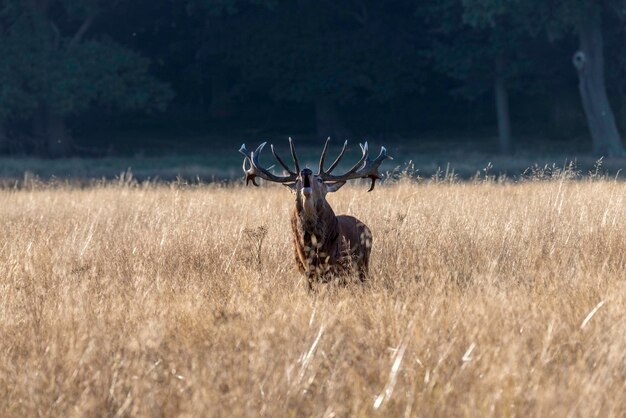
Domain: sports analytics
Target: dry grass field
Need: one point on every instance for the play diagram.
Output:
(485, 299)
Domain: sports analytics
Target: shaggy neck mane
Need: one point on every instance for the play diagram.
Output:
(321, 222)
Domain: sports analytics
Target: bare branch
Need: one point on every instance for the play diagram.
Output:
(80, 33)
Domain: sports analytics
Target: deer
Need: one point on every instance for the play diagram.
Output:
(326, 246)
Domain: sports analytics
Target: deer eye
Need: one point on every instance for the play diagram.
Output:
(319, 180)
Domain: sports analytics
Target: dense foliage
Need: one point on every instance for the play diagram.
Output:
(325, 67)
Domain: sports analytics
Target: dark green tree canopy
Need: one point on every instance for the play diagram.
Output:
(319, 66)
(51, 65)
(300, 51)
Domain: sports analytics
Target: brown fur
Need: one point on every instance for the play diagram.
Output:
(328, 246)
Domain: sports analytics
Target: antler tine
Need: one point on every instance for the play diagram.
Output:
(254, 156)
(382, 155)
(294, 156)
(256, 170)
(281, 161)
(365, 168)
(248, 171)
(243, 151)
(246, 159)
(373, 169)
(338, 159)
(321, 169)
(328, 176)
(360, 162)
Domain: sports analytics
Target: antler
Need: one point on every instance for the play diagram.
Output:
(334, 164)
(256, 170)
(364, 168)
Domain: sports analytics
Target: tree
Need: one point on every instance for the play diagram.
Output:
(324, 53)
(584, 19)
(488, 53)
(589, 63)
(51, 70)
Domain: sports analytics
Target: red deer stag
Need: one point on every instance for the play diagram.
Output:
(326, 245)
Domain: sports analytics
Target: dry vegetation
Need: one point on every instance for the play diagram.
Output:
(485, 299)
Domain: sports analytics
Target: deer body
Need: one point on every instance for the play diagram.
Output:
(326, 245)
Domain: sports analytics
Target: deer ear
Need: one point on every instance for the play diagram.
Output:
(291, 186)
(333, 187)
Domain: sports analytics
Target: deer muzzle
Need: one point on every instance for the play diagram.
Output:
(306, 183)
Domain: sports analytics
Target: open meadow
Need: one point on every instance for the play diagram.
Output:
(484, 299)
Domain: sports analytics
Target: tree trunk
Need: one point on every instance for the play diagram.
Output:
(51, 134)
(328, 122)
(589, 62)
(59, 139)
(221, 101)
(40, 132)
(4, 139)
(501, 96)
(567, 117)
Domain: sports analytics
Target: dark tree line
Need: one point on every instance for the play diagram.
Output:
(336, 68)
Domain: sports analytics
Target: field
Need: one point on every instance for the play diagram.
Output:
(485, 299)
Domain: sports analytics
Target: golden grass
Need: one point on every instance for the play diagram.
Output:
(484, 300)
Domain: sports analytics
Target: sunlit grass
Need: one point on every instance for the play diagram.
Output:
(484, 299)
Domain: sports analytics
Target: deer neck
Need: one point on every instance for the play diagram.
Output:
(315, 219)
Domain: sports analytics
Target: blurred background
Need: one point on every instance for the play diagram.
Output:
(89, 88)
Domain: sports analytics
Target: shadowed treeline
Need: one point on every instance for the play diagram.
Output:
(96, 78)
